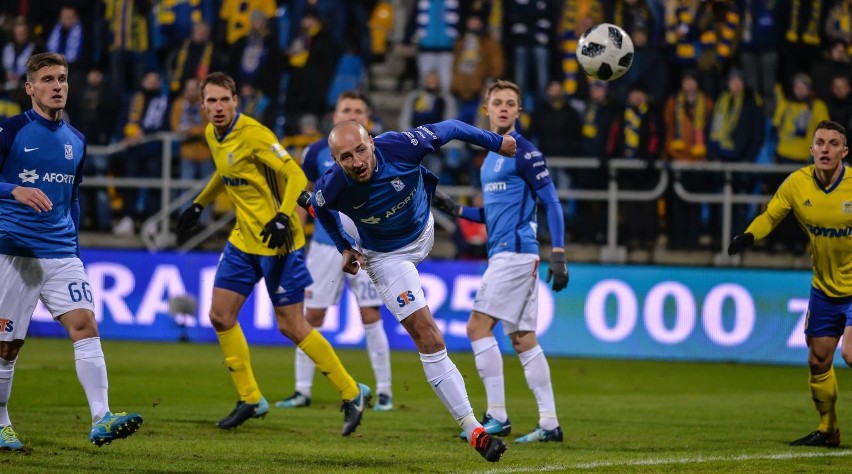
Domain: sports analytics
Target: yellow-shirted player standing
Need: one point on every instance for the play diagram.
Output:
(263, 181)
(820, 196)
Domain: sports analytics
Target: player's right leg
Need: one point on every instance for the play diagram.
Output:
(378, 349)
(9, 440)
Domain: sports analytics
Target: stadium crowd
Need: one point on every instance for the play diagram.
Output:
(707, 84)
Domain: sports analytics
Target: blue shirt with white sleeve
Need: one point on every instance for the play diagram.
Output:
(45, 154)
(392, 209)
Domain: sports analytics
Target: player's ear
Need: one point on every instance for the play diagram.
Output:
(28, 88)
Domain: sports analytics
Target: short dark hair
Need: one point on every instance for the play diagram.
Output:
(219, 79)
(831, 125)
(40, 60)
(500, 84)
(353, 94)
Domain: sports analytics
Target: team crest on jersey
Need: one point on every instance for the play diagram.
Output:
(847, 207)
(397, 184)
(320, 199)
(231, 158)
(69, 152)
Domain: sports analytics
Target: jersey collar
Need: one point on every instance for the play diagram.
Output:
(51, 124)
(230, 127)
(836, 182)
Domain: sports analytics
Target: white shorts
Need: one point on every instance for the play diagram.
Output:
(509, 291)
(326, 267)
(60, 283)
(395, 274)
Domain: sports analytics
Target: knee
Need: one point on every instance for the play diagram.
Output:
(847, 356)
(315, 317)
(221, 321)
(820, 365)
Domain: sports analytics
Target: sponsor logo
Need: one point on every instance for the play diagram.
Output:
(532, 154)
(28, 176)
(411, 138)
(828, 231)
(69, 152)
(397, 184)
(27, 150)
(319, 198)
(400, 204)
(359, 206)
(371, 220)
(234, 181)
(542, 175)
(404, 298)
(495, 186)
(280, 290)
(231, 158)
(58, 178)
(7, 325)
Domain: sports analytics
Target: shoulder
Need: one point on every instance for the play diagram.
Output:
(9, 129)
(527, 153)
(312, 150)
(254, 131)
(75, 132)
(329, 187)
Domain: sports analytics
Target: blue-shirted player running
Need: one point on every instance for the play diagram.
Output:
(382, 187)
(511, 188)
(41, 163)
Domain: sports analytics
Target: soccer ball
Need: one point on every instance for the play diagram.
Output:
(605, 52)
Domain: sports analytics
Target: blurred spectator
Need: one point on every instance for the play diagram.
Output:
(188, 118)
(736, 135)
(529, 39)
(15, 55)
(838, 23)
(759, 43)
(235, 16)
(803, 24)
(69, 38)
(350, 74)
(718, 27)
(631, 15)
(687, 117)
(681, 35)
(130, 54)
(194, 58)
(427, 104)
(8, 106)
(309, 132)
(575, 17)
(312, 59)
(837, 62)
(381, 28)
(649, 67)
(259, 59)
(254, 103)
(177, 20)
(478, 57)
(635, 133)
(433, 27)
(94, 115)
(839, 103)
(147, 114)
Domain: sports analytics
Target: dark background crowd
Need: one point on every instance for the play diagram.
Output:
(708, 83)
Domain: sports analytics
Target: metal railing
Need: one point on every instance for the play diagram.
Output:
(156, 231)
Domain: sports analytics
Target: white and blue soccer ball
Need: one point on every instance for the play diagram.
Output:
(605, 52)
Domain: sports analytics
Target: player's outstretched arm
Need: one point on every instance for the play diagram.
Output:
(740, 242)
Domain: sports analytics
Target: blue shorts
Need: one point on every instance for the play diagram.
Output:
(286, 276)
(827, 316)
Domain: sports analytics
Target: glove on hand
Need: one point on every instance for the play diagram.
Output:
(443, 202)
(558, 270)
(740, 242)
(187, 221)
(276, 233)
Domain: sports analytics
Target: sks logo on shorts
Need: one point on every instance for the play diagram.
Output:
(829, 231)
(404, 298)
(234, 181)
(6, 325)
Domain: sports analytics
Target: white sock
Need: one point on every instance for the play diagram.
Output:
(7, 373)
(92, 373)
(379, 350)
(537, 372)
(448, 384)
(304, 373)
(489, 364)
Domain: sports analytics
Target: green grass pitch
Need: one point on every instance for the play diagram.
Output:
(618, 416)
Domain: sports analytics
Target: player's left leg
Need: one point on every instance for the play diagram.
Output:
(489, 365)
(9, 440)
(537, 373)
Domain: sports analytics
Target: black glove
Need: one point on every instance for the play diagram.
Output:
(558, 270)
(276, 233)
(740, 242)
(443, 202)
(304, 201)
(188, 220)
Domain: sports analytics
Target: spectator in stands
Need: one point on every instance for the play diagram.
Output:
(254, 103)
(840, 102)
(596, 117)
(235, 23)
(681, 36)
(177, 21)
(194, 58)
(649, 67)
(718, 24)
(130, 53)
(259, 60)
(147, 115)
(803, 26)
(94, 115)
(760, 39)
(188, 119)
(574, 18)
(837, 62)
(687, 117)
(15, 55)
(68, 38)
(478, 57)
(528, 41)
(309, 132)
(424, 105)
(433, 28)
(736, 135)
(312, 59)
(838, 26)
(635, 134)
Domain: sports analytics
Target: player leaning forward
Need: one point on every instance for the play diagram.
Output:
(381, 185)
(263, 181)
(820, 196)
(41, 163)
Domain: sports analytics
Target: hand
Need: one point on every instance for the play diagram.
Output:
(188, 220)
(353, 261)
(304, 201)
(276, 233)
(444, 203)
(558, 270)
(32, 197)
(509, 146)
(740, 242)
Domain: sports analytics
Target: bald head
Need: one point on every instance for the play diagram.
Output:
(353, 149)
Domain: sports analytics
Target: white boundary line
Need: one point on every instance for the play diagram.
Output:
(663, 461)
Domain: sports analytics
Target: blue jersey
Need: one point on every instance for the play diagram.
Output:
(317, 162)
(45, 154)
(510, 187)
(391, 210)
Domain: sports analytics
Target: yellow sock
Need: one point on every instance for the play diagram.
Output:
(320, 351)
(824, 393)
(237, 358)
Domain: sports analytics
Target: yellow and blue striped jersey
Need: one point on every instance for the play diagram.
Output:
(261, 179)
(825, 214)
